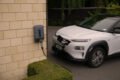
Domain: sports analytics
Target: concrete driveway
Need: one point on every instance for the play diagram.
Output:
(110, 70)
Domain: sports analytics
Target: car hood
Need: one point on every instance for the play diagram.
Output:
(76, 32)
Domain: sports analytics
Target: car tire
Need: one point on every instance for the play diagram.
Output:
(55, 51)
(96, 57)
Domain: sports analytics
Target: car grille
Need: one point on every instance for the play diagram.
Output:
(62, 40)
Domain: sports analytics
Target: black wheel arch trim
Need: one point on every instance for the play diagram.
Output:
(101, 43)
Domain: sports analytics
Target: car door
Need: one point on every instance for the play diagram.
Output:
(114, 43)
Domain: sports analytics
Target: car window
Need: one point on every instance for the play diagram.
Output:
(89, 22)
(117, 25)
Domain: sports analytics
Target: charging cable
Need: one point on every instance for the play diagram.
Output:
(42, 48)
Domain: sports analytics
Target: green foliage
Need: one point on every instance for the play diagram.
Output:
(76, 3)
(67, 8)
(113, 8)
(56, 22)
(93, 18)
(94, 13)
(45, 70)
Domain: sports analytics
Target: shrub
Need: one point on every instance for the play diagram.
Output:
(45, 70)
(113, 8)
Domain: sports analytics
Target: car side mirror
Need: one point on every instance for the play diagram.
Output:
(116, 30)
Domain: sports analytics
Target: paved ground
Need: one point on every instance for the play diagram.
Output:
(110, 70)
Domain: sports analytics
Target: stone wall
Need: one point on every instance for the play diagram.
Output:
(17, 47)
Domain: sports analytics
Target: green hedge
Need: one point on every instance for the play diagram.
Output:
(45, 70)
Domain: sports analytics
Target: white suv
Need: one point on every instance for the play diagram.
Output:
(91, 45)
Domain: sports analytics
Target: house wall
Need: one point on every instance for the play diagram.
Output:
(17, 47)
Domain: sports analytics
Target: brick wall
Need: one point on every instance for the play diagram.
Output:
(17, 47)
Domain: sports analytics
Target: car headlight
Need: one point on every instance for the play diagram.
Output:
(81, 40)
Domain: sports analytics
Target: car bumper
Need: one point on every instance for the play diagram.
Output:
(70, 49)
(65, 54)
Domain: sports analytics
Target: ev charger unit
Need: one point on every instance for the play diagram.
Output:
(39, 35)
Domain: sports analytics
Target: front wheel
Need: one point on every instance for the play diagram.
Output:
(96, 57)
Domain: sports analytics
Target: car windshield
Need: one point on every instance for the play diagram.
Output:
(88, 23)
(98, 22)
(104, 24)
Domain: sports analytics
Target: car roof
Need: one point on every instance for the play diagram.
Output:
(107, 15)
(114, 18)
